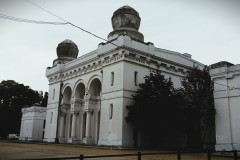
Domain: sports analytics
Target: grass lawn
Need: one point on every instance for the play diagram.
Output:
(10, 150)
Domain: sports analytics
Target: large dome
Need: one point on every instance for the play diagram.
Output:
(67, 49)
(126, 20)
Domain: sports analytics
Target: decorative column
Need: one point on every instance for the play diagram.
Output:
(88, 124)
(88, 109)
(74, 118)
(80, 115)
(63, 113)
(62, 120)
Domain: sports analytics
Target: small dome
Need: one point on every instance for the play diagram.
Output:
(126, 9)
(126, 21)
(67, 49)
(126, 17)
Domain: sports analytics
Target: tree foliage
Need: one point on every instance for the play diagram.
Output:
(198, 91)
(13, 97)
(158, 107)
(44, 99)
(199, 104)
(155, 107)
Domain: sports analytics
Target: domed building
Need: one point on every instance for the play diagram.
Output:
(88, 95)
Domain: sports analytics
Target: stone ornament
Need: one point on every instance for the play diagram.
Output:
(126, 21)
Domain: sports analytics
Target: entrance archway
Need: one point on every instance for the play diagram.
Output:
(94, 105)
(95, 88)
(66, 112)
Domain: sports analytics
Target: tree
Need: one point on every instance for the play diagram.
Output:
(13, 97)
(199, 105)
(160, 110)
(44, 99)
(155, 108)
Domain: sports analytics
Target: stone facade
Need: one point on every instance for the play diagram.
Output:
(88, 95)
(226, 77)
(33, 123)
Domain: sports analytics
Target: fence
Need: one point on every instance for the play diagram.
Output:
(139, 155)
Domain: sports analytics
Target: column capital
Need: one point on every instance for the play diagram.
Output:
(64, 108)
(76, 100)
(87, 95)
(89, 111)
(74, 112)
(63, 114)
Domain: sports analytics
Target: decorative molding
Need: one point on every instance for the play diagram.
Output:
(89, 111)
(64, 107)
(33, 109)
(114, 57)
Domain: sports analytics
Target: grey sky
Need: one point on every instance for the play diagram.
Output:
(209, 30)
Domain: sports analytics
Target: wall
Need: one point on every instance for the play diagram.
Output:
(52, 112)
(227, 100)
(112, 94)
(32, 128)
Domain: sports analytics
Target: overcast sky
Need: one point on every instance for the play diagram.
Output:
(209, 30)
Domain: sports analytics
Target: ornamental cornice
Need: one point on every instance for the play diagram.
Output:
(143, 60)
(178, 54)
(151, 62)
(77, 71)
(27, 110)
(157, 58)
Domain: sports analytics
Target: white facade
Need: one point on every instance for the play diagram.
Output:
(226, 79)
(88, 95)
(32, 124)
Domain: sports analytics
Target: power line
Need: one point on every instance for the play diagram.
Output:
(89, 32)
(67, 22)
(29, 20)
(84, 30)
(46, 10)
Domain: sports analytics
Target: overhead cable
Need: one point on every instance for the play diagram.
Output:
(29, 20)
(46, 10)
(87, 31)
(84, 30)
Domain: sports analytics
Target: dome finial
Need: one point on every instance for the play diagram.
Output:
(67, 51)
(126, 20)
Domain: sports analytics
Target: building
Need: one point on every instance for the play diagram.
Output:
(226, 78)
(33, 123)
(88, 95)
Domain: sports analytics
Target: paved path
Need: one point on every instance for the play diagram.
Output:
(9, 150)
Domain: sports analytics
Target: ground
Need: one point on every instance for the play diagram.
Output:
(14, 150)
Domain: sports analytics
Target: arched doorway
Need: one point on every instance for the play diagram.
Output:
(67, 95)
(95, 88)
(80, 91)
(65, 118)
(93, 110)
(79, 107)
